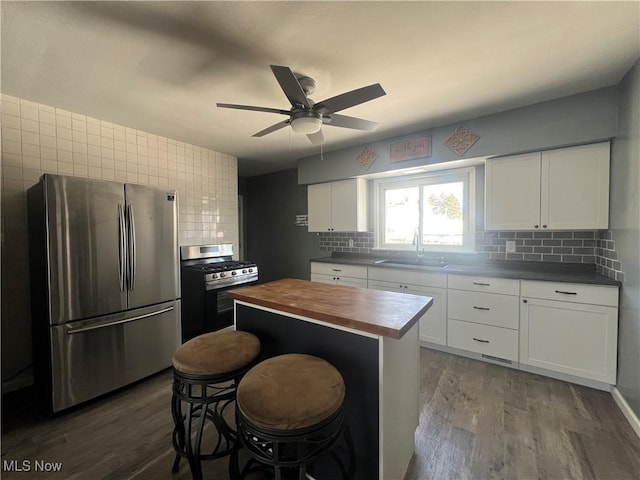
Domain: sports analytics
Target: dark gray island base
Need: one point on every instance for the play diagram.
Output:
(381, 373)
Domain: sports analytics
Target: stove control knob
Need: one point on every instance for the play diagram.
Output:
(215, 275)
(251, 270)
(234, 273)
(244, 270)
(222, 274)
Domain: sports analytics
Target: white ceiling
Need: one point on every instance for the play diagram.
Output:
(162, 66)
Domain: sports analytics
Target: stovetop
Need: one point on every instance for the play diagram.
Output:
(217, 267)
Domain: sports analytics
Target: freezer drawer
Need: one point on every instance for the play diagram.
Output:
(93, 357)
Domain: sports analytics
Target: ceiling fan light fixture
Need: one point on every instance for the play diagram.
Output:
(306, 124)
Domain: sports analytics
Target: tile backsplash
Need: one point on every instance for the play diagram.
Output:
(607, 256)
(596, 247)
(39, 139)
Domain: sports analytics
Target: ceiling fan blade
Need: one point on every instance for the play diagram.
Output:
(255, 109)
(316, 138)
(349, 99)
(290, 86)
(344, 121)
(272, 128)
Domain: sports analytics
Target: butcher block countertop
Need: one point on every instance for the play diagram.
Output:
(388, 314)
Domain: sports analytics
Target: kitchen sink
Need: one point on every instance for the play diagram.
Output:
(417, 262)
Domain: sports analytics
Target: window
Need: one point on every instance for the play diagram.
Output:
(431, 212)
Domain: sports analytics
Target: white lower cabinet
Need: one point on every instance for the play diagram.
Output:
(433, 324)
(566, 330)
(483, 316)
(339, 274)
(576, 336)
(483, 339)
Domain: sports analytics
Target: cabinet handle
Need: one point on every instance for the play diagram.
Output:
(480, 340)
(566, 293)
(544, 226)
(482, 284)
(524, 301)
(336, 270)
(536, 226)
(481, 308)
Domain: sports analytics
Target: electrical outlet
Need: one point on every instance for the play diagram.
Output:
(351, 243)
(511, 246)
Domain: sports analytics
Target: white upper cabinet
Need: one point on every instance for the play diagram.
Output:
(338, 206)
(563, 189)
(576, 186)
(512, 193)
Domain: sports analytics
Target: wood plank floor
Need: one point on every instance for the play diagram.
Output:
(478, 421)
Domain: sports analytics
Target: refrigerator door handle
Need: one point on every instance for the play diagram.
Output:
(118, 322)
(122, 248)
(132, 247)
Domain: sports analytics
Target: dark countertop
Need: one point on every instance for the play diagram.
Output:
(521, 270)
(389, 314)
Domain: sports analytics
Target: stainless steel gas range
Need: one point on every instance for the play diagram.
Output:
(206, 273)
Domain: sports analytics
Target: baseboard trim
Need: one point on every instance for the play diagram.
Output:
(626, 410)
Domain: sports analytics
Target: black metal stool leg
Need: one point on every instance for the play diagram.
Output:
(178, 430)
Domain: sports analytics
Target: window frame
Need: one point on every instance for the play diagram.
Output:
(465, 175)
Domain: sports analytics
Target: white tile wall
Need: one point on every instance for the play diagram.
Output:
(39, 139)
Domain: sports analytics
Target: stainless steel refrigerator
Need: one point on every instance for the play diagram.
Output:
(104, 285)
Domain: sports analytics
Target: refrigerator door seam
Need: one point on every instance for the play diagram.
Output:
(119, 322)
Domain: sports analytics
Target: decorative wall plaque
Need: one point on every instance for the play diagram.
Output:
(461, 140)
(410, 149)
(366, 157)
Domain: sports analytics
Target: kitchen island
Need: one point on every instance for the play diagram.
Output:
(370, 336)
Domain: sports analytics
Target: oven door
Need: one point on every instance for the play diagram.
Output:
(203, 310)
(224, 304)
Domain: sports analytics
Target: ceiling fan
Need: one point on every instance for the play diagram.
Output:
(307, 117)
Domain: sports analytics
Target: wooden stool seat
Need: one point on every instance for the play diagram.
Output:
(206, 372)
(289, 414)
(290, 392)
(216, 353)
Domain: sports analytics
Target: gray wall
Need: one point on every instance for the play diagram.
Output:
(625, 226)
(273, 241)
(583, 118)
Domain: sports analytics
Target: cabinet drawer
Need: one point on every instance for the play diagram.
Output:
(485, 308)
(503, 286)
(404, 277)
(339, 269)
(484, 339)
(571, 292)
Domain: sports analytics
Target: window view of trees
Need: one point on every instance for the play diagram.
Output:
(437, 208)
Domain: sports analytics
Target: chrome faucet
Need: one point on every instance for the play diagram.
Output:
(417, 244)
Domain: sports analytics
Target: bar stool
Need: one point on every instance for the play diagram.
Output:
(289, 413)
(206, 372)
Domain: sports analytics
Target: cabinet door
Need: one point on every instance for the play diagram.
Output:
(319, 207)
(433, 324)
(512, 193)
(575, 188)
(344, 206)
(570, 338)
